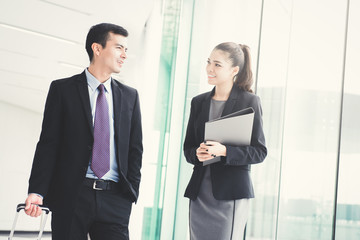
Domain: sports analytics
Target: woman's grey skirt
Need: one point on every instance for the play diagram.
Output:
(212, 219)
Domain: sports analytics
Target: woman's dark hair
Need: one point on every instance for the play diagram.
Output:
(100, 34)
(239, 55)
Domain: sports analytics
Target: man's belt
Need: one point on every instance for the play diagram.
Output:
(99, 184)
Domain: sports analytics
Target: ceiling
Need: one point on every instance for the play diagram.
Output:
(43, 40)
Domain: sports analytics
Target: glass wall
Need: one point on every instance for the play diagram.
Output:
(157, 114)
(348, 197)
(271, 86)
(311, 121)
(213, 22)
(300, 54)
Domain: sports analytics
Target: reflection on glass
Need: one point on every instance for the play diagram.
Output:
(214, 22)
(299, 80)
(311, 127)
(348, 201)
(271, 87)
(152, 214)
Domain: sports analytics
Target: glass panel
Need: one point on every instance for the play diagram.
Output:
(213, 22)
(311, 126)
(158, 120)
(271, 87)
(348, 201)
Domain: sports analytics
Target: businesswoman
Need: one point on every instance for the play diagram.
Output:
(219, 192)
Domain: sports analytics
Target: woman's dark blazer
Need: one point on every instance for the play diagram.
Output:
(230, 177)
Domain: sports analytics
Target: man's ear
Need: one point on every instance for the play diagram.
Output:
(96, 48)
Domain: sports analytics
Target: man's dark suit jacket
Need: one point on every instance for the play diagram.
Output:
(230, 177)
(65, 146)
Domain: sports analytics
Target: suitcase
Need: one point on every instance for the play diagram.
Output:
(42, 224)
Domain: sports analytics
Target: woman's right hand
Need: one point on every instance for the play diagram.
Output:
(202, 153)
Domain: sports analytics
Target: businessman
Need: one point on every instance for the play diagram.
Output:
(87, 162)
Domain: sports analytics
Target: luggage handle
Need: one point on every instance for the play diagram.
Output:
(20, 207)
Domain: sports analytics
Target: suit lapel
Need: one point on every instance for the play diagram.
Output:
(230, 103)
(204, 113)
(117, 102)
(84, 95)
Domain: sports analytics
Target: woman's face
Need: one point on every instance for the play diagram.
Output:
(219, 68)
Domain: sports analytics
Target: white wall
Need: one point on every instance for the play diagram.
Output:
(19, 130)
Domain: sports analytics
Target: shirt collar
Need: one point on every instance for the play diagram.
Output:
(94, 83)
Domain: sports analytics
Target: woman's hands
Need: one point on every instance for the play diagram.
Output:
(209, 150)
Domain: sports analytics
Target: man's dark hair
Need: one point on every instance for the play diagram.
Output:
(100, 34)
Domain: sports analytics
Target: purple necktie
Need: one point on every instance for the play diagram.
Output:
(100, 163)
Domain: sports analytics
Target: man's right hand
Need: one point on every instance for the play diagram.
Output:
(31, 205)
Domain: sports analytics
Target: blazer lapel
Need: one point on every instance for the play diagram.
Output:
(230, 103)
(117, 102)
(84, 95)
(204, 113)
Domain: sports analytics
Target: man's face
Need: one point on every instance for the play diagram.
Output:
(112, 57)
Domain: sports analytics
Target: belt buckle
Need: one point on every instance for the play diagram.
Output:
(94, 185)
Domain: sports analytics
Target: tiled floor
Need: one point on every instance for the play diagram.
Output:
(27, 237)
(46, 236)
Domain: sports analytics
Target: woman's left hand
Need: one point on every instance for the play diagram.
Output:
(214, 148)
